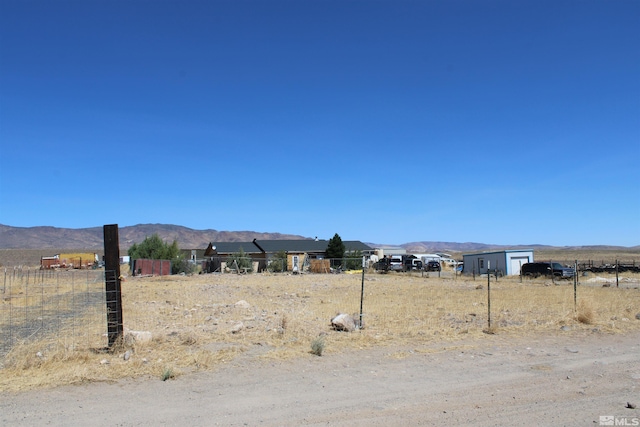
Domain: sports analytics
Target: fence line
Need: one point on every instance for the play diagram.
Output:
(67, 309)
(64, 308)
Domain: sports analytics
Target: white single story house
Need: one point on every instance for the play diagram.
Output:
(506, 262)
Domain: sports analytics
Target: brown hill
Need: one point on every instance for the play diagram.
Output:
(453, 247)
(92, 238)
(46, 237)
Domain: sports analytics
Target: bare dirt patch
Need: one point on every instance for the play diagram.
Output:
(568, 379)
(237, 350)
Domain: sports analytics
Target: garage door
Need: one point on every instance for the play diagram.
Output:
(516, 262)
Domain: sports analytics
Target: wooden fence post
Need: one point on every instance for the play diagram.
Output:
(115, 326)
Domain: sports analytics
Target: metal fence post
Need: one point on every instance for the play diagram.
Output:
(575, 286)
(489, 294)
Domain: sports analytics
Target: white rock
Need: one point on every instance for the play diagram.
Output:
(139, 337)
(243, 304)
(237, 328)
(344, 322)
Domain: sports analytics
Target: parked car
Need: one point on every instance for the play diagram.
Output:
(395, 263)
(535, 269)
(412, 264)
(383, 265)
(433, 266)
(389, 264)
(449, 262)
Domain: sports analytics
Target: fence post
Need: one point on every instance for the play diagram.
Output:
(617, 284)
(489, 294)
(520, 262)
(115, 327)
(575, 286)
(362, 292)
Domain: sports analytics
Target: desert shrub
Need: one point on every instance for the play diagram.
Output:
(317, 346)
(354, 260)
(278, 262)
(241, 259)
(168, 374)
(182, 265)
(585, 313)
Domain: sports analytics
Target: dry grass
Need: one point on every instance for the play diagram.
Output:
(200, 322)
(585, 313)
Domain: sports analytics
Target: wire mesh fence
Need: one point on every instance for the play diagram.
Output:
(67, 309)
(402, 305)
(64, 309)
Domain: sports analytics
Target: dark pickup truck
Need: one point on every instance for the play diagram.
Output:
(535, 269)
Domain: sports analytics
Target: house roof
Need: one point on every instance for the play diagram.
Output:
(356, 245)
(231, 248)
(273, 246)
(499, 252)
(293, 245)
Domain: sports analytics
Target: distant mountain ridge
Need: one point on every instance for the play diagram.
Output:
(47, 237)
(431, 247)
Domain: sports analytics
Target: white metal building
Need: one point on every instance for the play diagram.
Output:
(506, 262)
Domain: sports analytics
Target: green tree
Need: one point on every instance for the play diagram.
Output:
(155, 248)
(354, 260)
(335, 248)
(243, 261)
(278, 262)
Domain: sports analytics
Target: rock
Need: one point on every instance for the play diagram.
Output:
(630, 405)
(638, 316)
(237, 328)
(243, 304)
(127, 355)
(344, 322)
(104, 362)
(138, 337)
(565, 328)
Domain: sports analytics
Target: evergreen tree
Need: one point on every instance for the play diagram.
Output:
(335, 248)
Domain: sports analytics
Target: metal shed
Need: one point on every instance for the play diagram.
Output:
(506, 262)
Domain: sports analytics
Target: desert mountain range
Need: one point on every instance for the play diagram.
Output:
(46, 237)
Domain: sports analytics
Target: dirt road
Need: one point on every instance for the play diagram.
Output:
(569, 379)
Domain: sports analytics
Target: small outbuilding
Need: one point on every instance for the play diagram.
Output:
(506, 262)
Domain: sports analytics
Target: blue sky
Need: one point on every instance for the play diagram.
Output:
(503, 122)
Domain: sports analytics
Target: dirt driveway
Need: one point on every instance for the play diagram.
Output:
(569, 379)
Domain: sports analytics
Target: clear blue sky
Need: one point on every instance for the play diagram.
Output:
(503, 122)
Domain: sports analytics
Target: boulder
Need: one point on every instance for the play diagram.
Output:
(344, 322)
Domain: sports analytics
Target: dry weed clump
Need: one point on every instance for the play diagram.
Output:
(585, 313)
(205, 321)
